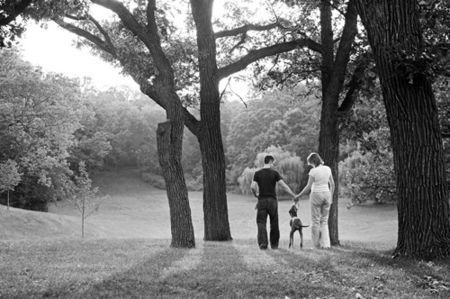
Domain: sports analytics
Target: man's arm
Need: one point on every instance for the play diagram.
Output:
(254, 188)
(286, 188)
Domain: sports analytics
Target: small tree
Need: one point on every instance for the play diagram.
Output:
(85, 198)
(9, 177)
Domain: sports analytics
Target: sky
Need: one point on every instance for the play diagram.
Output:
(53, 49)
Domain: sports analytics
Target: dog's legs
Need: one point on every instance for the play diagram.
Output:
(301, 238)
(291, 238)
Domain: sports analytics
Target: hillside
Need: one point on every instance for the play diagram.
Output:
(134, 209)
(23, 224)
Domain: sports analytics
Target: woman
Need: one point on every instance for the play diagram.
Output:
(321, 184)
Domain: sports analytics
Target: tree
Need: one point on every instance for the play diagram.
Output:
(326, 61)
(85, 197)
(128, 43)
(9, 177)
(38, 115)
(10, 28)
(396, 40)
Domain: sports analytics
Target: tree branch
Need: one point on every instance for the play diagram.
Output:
(128, 19)
(103, 32)
(353, 87)
(244, 29)
(87, 35)
(17, 9)
(254, 55)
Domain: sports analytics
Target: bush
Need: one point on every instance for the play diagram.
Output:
(368, 175)
(155, 180)
(287, 164)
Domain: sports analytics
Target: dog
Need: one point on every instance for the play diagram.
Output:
(296, 224)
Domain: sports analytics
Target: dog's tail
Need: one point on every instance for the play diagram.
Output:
(305, 225)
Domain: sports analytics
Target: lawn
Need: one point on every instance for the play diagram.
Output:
(127, 254)
(149, 268)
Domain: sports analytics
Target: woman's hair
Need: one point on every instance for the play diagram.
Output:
(314, 159)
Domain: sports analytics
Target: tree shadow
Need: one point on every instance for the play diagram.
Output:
(213, 269)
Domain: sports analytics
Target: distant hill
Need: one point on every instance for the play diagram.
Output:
(24, 224)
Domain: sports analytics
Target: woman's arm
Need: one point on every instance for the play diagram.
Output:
(306, 189)
(331, 183)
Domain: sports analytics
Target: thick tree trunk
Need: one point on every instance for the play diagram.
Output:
(329, 151)
(423, 205)
(215, 207)
(169, 141)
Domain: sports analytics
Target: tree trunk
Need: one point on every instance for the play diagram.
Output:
(169, 142)
(423, 204)
(83, 213)
(329, 151)
(215, 209)
(333, 75)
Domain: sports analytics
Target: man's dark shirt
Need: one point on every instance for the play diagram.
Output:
(267, 178)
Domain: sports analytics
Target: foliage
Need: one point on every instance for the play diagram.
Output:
(286, 118)
(85, 197)
(9, 177)
(367, 168)
(287, 164)
(38, 115)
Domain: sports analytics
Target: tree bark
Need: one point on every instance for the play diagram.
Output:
(333, 75)
(215, 208)
(169, 140)
(423, 205)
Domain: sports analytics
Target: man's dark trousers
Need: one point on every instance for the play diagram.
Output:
(267, 206)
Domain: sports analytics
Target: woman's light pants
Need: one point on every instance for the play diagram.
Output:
(320, 209)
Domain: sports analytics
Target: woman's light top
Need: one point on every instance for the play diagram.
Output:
(321, 175)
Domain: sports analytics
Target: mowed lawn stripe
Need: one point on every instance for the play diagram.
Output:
(190, 261)
(70, 268)
(256, 259)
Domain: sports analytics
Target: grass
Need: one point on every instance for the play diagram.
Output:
(127, 254)
(149, 268)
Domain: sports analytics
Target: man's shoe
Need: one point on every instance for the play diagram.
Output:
(263, 247)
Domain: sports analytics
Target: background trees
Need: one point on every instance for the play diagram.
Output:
(38, 115)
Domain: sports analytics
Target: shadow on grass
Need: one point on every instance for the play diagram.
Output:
(212, 270)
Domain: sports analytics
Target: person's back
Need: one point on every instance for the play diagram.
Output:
(263, 187)
(267, 179)
(321, 175)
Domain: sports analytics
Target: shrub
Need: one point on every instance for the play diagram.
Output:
(155, 180)
(368, 175)
(287, 164)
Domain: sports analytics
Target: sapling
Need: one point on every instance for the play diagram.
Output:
(85, 197)
(9, 177)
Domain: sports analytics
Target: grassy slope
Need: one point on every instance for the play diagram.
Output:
(144, 265)
(23, 224)
(136, 210)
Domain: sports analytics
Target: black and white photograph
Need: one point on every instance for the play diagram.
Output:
(225, 149)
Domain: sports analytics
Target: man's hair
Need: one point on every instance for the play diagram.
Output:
(314, 159)
(268, 159)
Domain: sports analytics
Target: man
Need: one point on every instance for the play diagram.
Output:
(265, 181)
